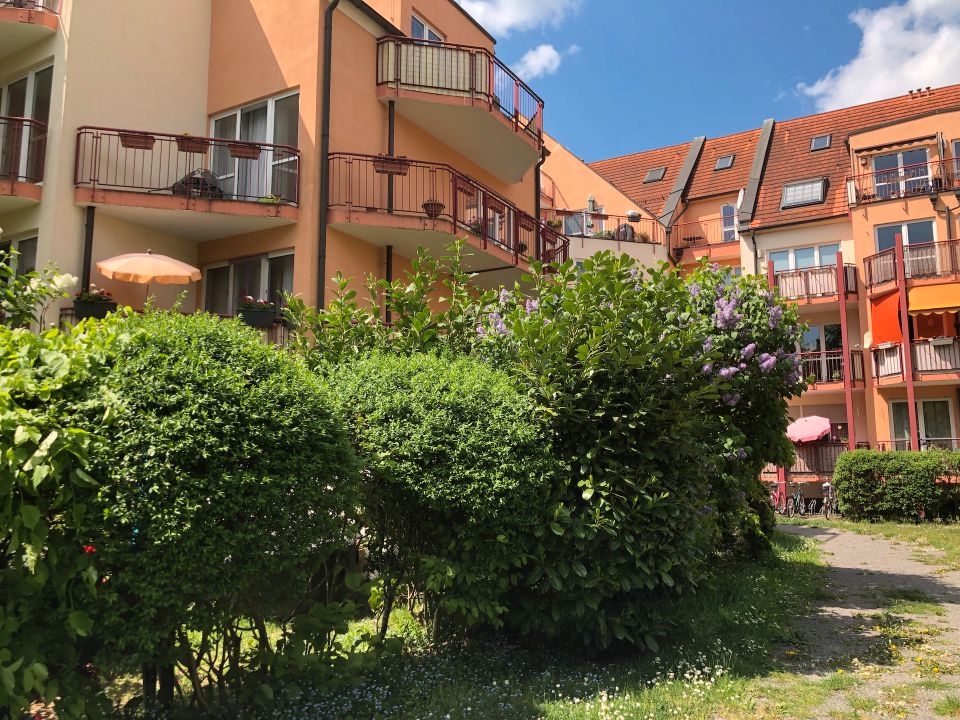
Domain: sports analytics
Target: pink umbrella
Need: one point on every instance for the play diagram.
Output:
(807, 429)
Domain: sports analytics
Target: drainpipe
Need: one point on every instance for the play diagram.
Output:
(537, 189)
(906, 347)
(87, 249)
(391, 148)
(325, 151)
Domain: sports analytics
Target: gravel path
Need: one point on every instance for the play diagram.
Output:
(886, 618)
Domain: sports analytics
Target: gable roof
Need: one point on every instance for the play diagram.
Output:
(707, 182)
(627, 173)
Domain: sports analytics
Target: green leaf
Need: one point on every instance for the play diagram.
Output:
(557, 530)
(30, 516)
(587, 493)
(80, 622)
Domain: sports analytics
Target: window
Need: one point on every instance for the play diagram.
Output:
(22, 153)
(819, 346)
(655, 174)
(419, 30)
(264, 278)
(724, 162)
(820, 142)
(805, 257)
(901, 173)
(805, 192)
(914, 233)
(26, 254)
(728, 222)
(934, 420)
(274, 172)
(956, 156)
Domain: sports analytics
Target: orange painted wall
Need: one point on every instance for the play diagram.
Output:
(442, 15)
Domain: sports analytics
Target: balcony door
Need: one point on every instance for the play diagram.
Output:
(728, 223)
(272, 173)
(920, 251)
(935, 422)
(23, 146)
(262, 278)
(821, 348)
(901, 173)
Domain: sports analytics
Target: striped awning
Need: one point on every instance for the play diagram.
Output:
(938, 299)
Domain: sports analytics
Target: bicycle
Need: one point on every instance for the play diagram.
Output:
(830, 504)
(778, 498)
(796, 503)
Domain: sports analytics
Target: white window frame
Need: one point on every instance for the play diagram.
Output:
(14, 244)
(898, 177)
(31, 78)
(264, 274)
(716, 165)
(792, 257)
(822, 352)
(428, 28)
(956, 156)
(271, 103)
(828, 136)
(903, 230)
(809, 181)
(732, 227)
(920, 422)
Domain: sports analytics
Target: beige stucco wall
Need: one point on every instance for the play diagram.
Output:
(800, 236)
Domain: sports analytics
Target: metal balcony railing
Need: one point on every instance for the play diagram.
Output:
(625, 228)
(816, 458)
(436, 191)
(717, 231)
(902, 182)
(50, 6)
(187, 165)
(887, 361)
(460, 71)
(937, 355)
(827, 366)
(23, 146)
(812, 282)
(925, 260)
(925, 444)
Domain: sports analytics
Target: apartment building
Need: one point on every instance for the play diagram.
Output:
(854, 215)
(270, 143)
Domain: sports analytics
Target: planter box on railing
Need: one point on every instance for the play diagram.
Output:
(97, 309)
(256, 317)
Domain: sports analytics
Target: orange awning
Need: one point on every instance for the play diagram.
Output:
(885, 313)
(934, 299)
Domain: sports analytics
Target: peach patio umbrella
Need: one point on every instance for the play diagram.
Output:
(146, 268)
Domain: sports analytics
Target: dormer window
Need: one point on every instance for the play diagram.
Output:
(724, 162)
(820, 142)
(655, 174)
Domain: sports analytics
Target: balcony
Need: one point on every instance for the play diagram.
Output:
(936, 356)
(632, 228)
(903, 182)
(814, 283)
(827, 367)
(24, 22)
(923, 261)
(197, 187)
(408, 203)
(23, 144)
(465, 97)
(716, 239)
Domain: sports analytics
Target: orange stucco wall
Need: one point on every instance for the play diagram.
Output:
(443, 16)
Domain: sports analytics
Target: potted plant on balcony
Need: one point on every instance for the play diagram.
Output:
(389, 165)
(187, 143)
(270, 200)
(256, 313)
(522, 248)
(433, 208)
(476, 227)
(555, 224)
(93, 303)
(836, 376)
(137, 141)
(244, 150)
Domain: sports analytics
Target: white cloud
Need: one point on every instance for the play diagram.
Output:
(539, 61)
(501, 17)
(573, 50)
(905, 46)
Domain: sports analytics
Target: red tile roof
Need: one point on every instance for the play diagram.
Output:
(627, 173)
(790, 158)
(707, 182)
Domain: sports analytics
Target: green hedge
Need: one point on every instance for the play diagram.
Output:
(875, 485)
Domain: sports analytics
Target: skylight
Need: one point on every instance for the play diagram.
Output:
(724, 162)
(820, 142)
(805, 192)
(655, 174)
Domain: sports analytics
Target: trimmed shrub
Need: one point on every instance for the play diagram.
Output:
(46, 493)
(458, 473)
(875, 485)
(228, 485)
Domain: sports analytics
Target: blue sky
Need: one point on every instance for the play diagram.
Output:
(619, 76)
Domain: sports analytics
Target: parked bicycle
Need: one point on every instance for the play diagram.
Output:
(796, 503)
(830, 505)
(778, 498)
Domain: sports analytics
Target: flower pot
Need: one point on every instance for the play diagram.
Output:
(522, 248)
(433, 208)
(188, 144)
(244, 151)
(92, 309)
(255, 317)
(391, 166)
(137, 141)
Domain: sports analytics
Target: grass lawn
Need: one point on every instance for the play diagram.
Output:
(721, 661)
(936, 543)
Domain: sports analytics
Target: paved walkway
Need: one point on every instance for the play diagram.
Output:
(887, 618)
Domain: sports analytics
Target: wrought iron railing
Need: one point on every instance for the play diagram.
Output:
(936, 355)
(819, 281)
(602, 226)
(925, 444)
(460, 71)
(717, 231)
(436, 191)
(902, 182)
(887, 361)
(187, 165)
(816, 458)
(827, 366)
(50, 6)
(23, 147)
(924, 260)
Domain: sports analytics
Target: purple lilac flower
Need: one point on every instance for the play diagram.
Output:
(731, 399)
(532, 306)
(633, 272)
(741, 454)
(728, 372)
(715, 267)
(726, 316)
(481, 331)
(776, 315)
(767, 363)
(708, 345)
(498, 325)
(748, 351)
(707, 369)
(504, 296)
(695, 289)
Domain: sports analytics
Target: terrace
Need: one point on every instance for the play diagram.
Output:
(813, 283)
(715, 238)
(602, 226)
(922, 261)
(903, 182)
(827, 367)
(935, 356)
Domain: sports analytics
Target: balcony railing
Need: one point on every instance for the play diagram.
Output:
(937, 355)
(887, 361)
(187, 165)
(404, 187)
(816, 458)
(23, 145)
(827, 366)
(460, 71)
(926, 260)
(50, 6)
(705, 232)
(625, 228)
(903, 182)
(925, 444)
(812, 282)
